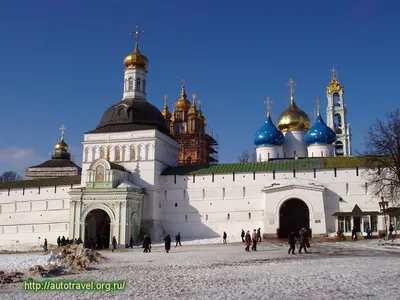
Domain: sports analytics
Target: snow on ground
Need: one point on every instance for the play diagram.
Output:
(342, 270)
(12, 262)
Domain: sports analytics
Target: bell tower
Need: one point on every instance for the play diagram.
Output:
(336, 116)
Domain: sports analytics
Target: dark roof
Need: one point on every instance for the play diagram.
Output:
(57, 163)
(272, 165)
(66, 180)
(355, 212)
(115, 166)
(131, 112)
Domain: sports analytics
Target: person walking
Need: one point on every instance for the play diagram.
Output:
(391, 228)
(58, 241)
(242, 234)
(45, 245)
(114, 244)
(292, 242)
(259, 235)
(254, 239)
(178, 239)
(303, 240)
(354, 233)
(167, 243)
(131, 241)
(224, 237)
(146, 243)
(247, 241)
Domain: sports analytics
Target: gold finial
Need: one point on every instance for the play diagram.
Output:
(136, 33)
(62, 128)
(334, 73)
(318, 105)
(268, 102)
(291, 84)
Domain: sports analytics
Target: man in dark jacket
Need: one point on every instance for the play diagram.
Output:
(131, 241)
(292, 242)
(303, 240)
(146, 243)
(242, 235)
(114, 243)
(178, 239)
(59, 241)
(167, 243)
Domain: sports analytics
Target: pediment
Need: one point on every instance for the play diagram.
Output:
(293, 183)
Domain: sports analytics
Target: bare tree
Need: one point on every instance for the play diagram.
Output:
(10, 176)
(382, 152)
(247, 157)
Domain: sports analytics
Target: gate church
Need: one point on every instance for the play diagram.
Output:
(130, 182)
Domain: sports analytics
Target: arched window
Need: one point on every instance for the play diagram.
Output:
(336, 99)
(137, 87)
(117, 154)
(337, 120)
(339, 148)
(347, 188)
(102, 152)
(144, 86)
(223, 193)
(100, 174)
(133, 154)
(130, 84)
(185, 218)
(206, 218)
(228, 217)
(249, 216)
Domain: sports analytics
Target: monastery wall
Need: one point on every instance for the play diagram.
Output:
(207, 205)
(28, 216)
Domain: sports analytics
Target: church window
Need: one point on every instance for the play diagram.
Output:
(294, 173)
(165, 194)
(100, 174)
(366, 188)
(133, 154)
(277, 155)
(176, 204)
(268, 155)
(185, 218)
(137, 87)
(204, 194)
(144, 86)
(347, 188)
(244, 192)
(102, 152)
(336, 99)
(259, 157)
(356, 171)
(337, 120)
(273, 174)
(249, 216)
(223, 193)
(130, 84)
(335, 172)
(228, 217)
(339, 148)
(374, 223)
(322, 153)
(184, 194)
(117, 154)
(206, 218)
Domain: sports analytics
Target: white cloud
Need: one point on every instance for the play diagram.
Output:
(18, 157)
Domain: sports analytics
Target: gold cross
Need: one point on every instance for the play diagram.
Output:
(62, 128)
(291, 84)
(165, 100)
(136, 33)
(334, 73)
(268, 102)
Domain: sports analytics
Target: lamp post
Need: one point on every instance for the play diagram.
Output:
(383, 205)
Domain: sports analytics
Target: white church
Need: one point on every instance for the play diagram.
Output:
(130, 182)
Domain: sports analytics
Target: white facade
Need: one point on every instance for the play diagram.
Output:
(135, 80)
(321, 150)
(266, 153)
(294, 144)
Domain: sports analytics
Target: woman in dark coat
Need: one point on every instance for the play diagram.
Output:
(167, 242)
(114, 243)
(146, 243)
(247, 241)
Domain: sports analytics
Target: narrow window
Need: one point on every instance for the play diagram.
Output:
(184, 194)
(117, 154)
(233, 176)
(294, 173)
(315, 173)
(23, 191)
(249, 216)
(175, 179)
(165, 195)
(347, 188)
(244, 192)
(322, 153)
(223, 193)
(335, 172)
(185, 218)
(55, 189)
(137, 84)
(204, 194)
(206, 218)
(194, 178)
(268, 155)
(229, 217)
(273, 174)
(9, 192)
(176, 204)
(159, 203)
(102, 153)
(254, 175)
(356, 171)
(212, 177)
(38, 190)
(133, 154)
(144, 86)
(130, 84)
(277, 155)
(366, 188)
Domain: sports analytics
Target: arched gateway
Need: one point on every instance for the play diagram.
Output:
(293, 215)
(97, 229)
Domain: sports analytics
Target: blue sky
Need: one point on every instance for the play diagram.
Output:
(61, 63)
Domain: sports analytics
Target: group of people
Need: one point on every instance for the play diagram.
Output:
(62, 241)
(251, 239)
(304, 241)
(167, 242)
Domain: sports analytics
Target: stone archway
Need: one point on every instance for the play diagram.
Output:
(293, 215)
(97, 229)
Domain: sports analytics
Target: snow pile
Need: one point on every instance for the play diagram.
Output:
(20, 262)
(13, 277)
(129, 185)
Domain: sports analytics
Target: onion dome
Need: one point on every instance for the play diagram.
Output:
(165, 112)
(61, 146)
(268, 134)
(334, 85)
(173, 116)
(136, 59)
(183, 103)
(320, 133)
(293, 118)
(193, 112)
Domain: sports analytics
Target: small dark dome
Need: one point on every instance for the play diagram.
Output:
(134, 111)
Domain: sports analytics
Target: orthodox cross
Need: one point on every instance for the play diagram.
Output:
(334, 73)
(291, 84)
(268, 102)
(199, 104)
(165, 100)
(62, 128)
(136, 33)
(194, 97)
(318, 105)
(183, 82)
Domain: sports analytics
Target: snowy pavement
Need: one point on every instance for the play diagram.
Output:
(346, 270)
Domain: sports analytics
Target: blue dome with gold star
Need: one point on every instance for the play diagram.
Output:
(320, 133)
(268, 134)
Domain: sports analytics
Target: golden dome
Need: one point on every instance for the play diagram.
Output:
(172, 120)
(183, 103)
(334, 86)
(166, 113)
(61, 146)
(293, 118)
(136, 59)
(193, 112)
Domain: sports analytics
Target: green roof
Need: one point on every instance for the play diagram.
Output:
(272, 165)
(66, 180)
